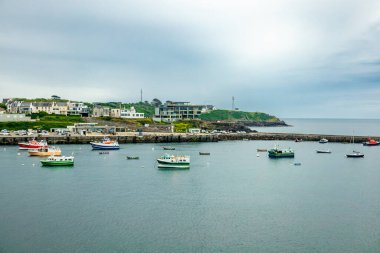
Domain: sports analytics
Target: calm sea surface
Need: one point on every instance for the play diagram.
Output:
(231, 201)
(365, 127)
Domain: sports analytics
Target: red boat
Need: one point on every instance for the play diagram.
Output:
(33, 144)
(371, 142)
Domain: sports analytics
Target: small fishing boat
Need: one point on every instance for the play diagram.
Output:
(297, 164)
(50, 151)
(298, 140)
(280, 153)
(262, 150)
(104, 153)
(133, 157)
(204, 153)
(168, 148)
(32, 144)
(58, 161)
(325, 151)
(323, 141)
(371, 142)
(175, 162)
(105, 144)
(355, 154)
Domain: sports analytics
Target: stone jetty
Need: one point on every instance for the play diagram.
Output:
(177, 137)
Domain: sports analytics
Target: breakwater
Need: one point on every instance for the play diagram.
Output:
(170, 137)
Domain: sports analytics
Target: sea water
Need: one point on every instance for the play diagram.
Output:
(364, 127)
(230, 201)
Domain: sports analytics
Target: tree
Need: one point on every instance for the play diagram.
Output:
(156, 102)
(3, 106)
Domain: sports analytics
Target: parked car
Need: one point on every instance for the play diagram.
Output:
(44, 132)
(4, 132)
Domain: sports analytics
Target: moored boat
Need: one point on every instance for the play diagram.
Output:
(323, 141)
(32, 144)
(168, 148)
(355, 154)
(50, 151)
(133, 157)
(105, 144)
(262, 150)
(172, 161)
(280, 153)
(58, 161)
(371, 142)
(204, 153)
(325, 151)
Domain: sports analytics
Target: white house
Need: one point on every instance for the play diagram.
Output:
(131, 114)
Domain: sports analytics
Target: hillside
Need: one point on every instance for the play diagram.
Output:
(228, 115)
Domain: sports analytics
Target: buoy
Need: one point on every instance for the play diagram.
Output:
(257, 155)
(153, 148)
(18, 153)
(22, 164)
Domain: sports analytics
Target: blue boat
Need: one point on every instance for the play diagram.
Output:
(105, 144)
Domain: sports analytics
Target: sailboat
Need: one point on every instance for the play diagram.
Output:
(354, 154)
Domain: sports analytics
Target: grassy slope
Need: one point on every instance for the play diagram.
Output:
(238, 115)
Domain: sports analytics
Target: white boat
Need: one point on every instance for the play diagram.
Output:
(105, 144)
(172, 161)
(325, 151)
(323, 141)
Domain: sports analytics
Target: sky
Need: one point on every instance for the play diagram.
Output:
(289, 58)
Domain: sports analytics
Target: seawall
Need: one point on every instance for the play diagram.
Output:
(170, 137)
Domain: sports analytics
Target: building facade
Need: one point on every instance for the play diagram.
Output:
(78, 108)
(131, 114)
(172, 111)
(100, 111)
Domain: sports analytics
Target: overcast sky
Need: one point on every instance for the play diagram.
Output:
(290, 58)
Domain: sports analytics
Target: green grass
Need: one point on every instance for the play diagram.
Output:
(238, 116)
(183, 126)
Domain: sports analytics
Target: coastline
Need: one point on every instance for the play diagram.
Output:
(155, 137)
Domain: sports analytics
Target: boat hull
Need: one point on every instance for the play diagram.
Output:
(355, 156)
(99, 146)
(49, 153)
(323, 152)
(173, 166)
(26, 146)
(57, 163)
(371, 144)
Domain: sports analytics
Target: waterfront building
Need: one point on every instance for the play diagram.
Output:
(131, 114)
(172, 111)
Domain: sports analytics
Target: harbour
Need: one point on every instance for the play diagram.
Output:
(230, 200)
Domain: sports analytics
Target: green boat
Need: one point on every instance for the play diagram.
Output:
(58, 161)
(280, 153)
(174, 162)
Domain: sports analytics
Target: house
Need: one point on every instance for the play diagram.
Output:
(115, 113)
(172, 111)
(131, 114)
(100, 111)
(77, 108)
